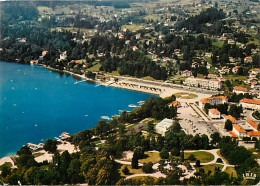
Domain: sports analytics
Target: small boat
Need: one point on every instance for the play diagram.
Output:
(97, 85)
(36, 125)
(105, 117)
(132, 105)
(141, 102)
(86, 115)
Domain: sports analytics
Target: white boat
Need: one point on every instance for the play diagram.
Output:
(105, 117)
(141, 102)
(132, 105)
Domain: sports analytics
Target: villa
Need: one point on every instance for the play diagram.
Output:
(248, 59)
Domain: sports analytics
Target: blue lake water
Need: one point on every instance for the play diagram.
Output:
(37, 104)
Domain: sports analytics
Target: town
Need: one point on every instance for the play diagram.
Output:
(201, 60)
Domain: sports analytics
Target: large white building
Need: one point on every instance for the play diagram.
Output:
(203, 83)
(214, 113)
(250, 104)
(240, 90)
(163, 126)
(213, 101)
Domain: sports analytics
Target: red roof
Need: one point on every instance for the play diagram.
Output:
(251, 101)
(233, 134)
(238, 128)
(254, 133)
(240, 89)
(204, 100)
(214, 111)
(231, 118)
(252, 123)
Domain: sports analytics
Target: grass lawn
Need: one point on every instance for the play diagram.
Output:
(132, 171)
(218, 43)
(35, 155)
(133, 27)
(186, 95)
(209, 167)
(95, 68)
(146, 180)
(153, 157)
(113, 73)
(234, 77)
(200, 75)
(7, 164)
(203, 156)
(230, 171)
(224, 159)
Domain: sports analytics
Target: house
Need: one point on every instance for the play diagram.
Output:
(186, 73)
(221, 78)
(232, 134)
(121, 36)
(223, 38)
(166, 59)
(239, 131)
(214, 113)
(248, 59)
(254, 71)
(255, 85)
(251, 80)
(154, 57)
(212, 76)
(254, 134)
(251, 104)
(240, 90)
(163, 126)
(231, 118)
(44, 53)
(135, 48)
(235, 69)
(63, 55)
(203, 83)
(253, 124)
(212, 101)
(231, 42)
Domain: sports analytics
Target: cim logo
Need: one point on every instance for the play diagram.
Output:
(249, 175)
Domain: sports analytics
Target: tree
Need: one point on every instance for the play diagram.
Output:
(215, 138)
(150, 127)
(5, 171)
(74, 171)
(191, 157)
(50, 145)
(228, 125)
(239, 155)
(173, 178)
(164, 154)
(148, 167)
(126, 170)
(175, 152)
(197, 163)
(135, 161)
(257, 144)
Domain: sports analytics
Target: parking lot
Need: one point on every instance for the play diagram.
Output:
(192, 123)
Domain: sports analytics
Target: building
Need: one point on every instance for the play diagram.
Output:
(231, 118)
(203, 83)
(163, 126)
(63, 55)
(251, 104)
(214, 113)
(186, 73)
(254, 134)
(253, 124)
(231, 42)
(248, 59)
(135, 48)
(240, 90)
(175, 104)
(213, 101)
(235, 69)
(239, 131)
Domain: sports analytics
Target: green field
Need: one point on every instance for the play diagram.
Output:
(203, 156)
(153, 157)
(210, 167)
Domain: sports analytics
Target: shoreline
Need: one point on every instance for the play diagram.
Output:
(160, 89)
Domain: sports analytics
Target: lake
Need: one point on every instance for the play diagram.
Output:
(37, 104)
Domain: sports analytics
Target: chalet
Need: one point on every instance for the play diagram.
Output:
(240, 90)
(135, 48)
(186, 73)
(231, 42)
(235, 69)
(214, 113)
(248, 59)
(251, 104)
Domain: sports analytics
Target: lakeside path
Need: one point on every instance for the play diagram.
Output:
(161, 89)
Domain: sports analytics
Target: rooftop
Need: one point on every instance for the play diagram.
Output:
(238, 128)
(251, 101)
